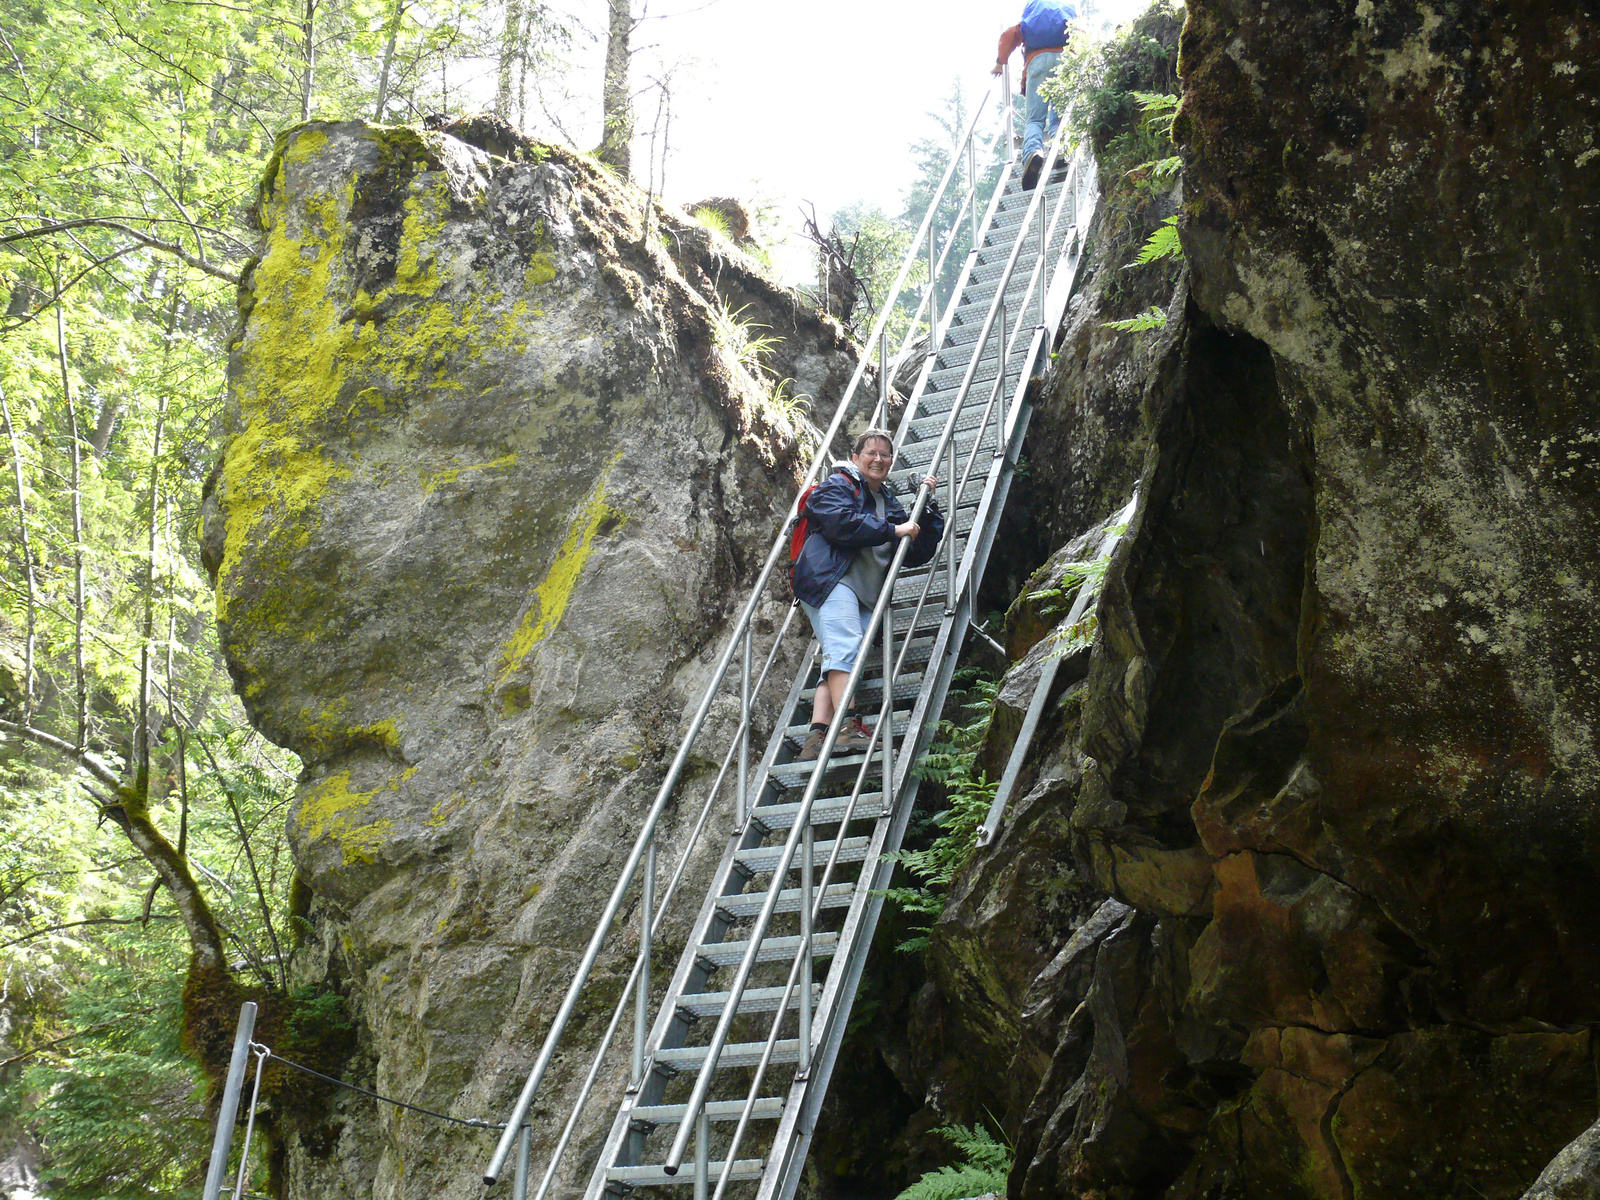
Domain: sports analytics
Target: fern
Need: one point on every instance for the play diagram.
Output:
(1150, 318)
(1163, 243)
(985, 1167)
(949, 763)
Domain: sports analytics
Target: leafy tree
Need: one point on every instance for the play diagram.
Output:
(144, 882)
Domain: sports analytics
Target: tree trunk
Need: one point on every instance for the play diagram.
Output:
(142, 736)
(616, 103)
(79, 679)
(513, 47)
(393, 34)
(27, 560)
(308, 78)
(127, 808)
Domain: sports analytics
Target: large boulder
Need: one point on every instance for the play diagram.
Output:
(498, 469)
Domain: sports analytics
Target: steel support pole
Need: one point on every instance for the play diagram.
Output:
(742, 801)
(880, 418)
(1043, 278)
(1000, 428)
(519, 1184)
(933, 287)
(1011, 114)
(806, 857)
(972, 185)
(222, 1142)
(641, 994)
(950, 536)
(702, 1154)
(886, 722)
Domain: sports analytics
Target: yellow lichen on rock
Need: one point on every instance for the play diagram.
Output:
(333, 810)
(553, 592)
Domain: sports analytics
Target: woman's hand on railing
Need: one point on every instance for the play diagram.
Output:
(909, 530)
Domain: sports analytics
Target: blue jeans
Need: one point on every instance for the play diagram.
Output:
(838, 625)
(1041, 118)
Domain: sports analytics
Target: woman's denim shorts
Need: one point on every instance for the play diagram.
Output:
(838, 625)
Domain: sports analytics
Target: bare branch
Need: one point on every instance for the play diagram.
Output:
(86, 759)
(40, 932)
(154, 243)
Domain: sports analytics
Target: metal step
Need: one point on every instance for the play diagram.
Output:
(773, 949)
(733, 1056)
(754, 1000)
(869, 693)
(655, 1176)
(765, 1108)
(869, 805)
(748, 904)
(762, 859)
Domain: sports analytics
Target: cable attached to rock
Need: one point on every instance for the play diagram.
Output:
(470, 1122)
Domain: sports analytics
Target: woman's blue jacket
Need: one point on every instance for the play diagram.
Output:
(843, 520)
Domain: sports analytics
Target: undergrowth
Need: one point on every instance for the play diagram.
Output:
(984, 1168)
(1055, 600)
(1121, 94)
(950, 763)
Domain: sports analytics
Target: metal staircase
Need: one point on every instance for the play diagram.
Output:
(730, 1058)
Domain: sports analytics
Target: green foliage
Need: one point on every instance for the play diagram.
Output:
(735, 334)
(984, 1168)
(1150, 318)
(713, 220)
(950, 764)
(134, 137)
(1057, 599)
(1163, 243)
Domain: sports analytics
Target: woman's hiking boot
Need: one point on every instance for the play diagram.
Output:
(854, 738)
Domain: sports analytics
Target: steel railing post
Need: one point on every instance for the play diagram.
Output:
(972, 184)
(702, 1153)
(1011, 114)
(1003, 355)
(519, 1184)
(887, 720)
(1042, 277)
(950, 536)
(222, 1142)
(742, 802)
(641, 994)
(880, 419)
(806, 856)
(933, 285)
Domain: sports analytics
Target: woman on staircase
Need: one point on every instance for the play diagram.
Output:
(855, 520)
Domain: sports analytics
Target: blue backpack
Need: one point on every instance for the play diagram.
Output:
(1044, 23)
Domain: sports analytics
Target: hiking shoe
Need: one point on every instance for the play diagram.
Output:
(854, 737)
(1030, 171)
(812, 746)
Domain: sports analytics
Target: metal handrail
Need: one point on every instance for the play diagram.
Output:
(740, 631)
(719, 1037)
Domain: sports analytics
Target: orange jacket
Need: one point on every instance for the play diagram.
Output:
(1010, 40)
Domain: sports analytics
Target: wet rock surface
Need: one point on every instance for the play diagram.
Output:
(493, 484)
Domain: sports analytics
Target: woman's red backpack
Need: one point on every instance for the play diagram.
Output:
(802, 524)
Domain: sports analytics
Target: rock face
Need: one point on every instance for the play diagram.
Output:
(496, 473)
(1329, 787)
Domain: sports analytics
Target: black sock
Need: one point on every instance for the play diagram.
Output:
(819, 727)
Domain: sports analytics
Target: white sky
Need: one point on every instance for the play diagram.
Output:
(815, 101)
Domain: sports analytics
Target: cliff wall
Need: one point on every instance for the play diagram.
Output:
(1296, 898)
